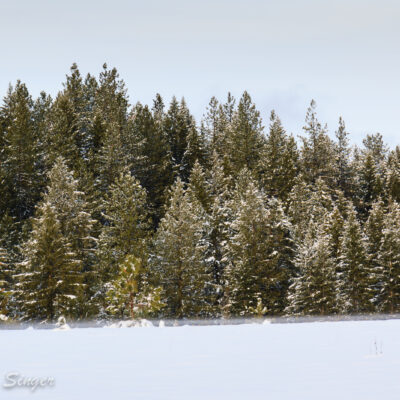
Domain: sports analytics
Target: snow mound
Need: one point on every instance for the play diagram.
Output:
(142, 323)
(62, 325)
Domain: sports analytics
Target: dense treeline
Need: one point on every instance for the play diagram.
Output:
(109, 209)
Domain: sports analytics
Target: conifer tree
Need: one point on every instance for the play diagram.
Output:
(308, 205)
(259, 252)
(374, 232)
(150, 157)
(129, 294)
(178, 258)
(313, 291)
(215, 126)
(370, 183)
(20, 180)
(333, 228)
(72, 211)
(73, 228)
(317, 153)
(183, 138)
(278, 165)
(69, 123)
(50, 280)
(126, 225)
(392, 175)
(389, 259)
(198, 187)
(4, 281)
(343, 166)
(245, 139)
(355, 289)
(110, 116)
(220, 214)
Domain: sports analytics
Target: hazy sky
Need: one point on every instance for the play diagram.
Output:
(343, 53)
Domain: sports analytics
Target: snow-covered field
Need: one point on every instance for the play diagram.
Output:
(320, 360)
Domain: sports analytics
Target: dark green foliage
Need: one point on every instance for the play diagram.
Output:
(108, 210)
(279, 163)
(150, 156)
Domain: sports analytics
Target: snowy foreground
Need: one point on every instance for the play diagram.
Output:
(320, 360)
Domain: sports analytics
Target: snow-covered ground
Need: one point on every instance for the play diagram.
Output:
(321, 360)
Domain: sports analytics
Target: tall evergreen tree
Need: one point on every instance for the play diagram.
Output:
(150, 157)
(374, 232)
(392, 175)
(389, 259)
(20, 180)
(178, 260)
(259, 252)
(245, 139)
(184, 140)
(50, 280)
(313, 291)
(317, 153)
(126, 225)
(355, 291)
(342, 159)
(278, 165)
(4, 281)
(73, 227)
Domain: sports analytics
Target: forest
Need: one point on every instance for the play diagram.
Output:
(112, 210)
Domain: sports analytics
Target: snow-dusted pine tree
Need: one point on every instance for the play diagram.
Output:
(178, 259)
(355, 290)
(389, 259)
(258, 253)
(313, 291)
(129, 294)
(126, 225)
(4, 281)
(50, 279)
(278, 165)
(373, 229)
(68, 216)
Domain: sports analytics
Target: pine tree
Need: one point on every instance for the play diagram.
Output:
(370, 183)
(259, 253)
(355, 289)
(313, 291)
(150, 157)
(50, 281)
(278, 165)
(69, 123)
(74, 227)
(126, 225)
(389, 259)
(214, 126)
(374, 232)
(198, 187)
(392, 175)
(72, 210)
(20, 180)
(129, 294)
(184, 140)
(343, 167)
(245, 139)
(220, 214)
(308, 205)
(4, 281)
(178, 258)
(317, 153)
(109, 120)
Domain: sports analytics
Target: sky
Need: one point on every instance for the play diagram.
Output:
(345, 54)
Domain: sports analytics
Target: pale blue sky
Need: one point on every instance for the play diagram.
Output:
(343, 53)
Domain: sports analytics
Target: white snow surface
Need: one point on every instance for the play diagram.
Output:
(358, 360)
